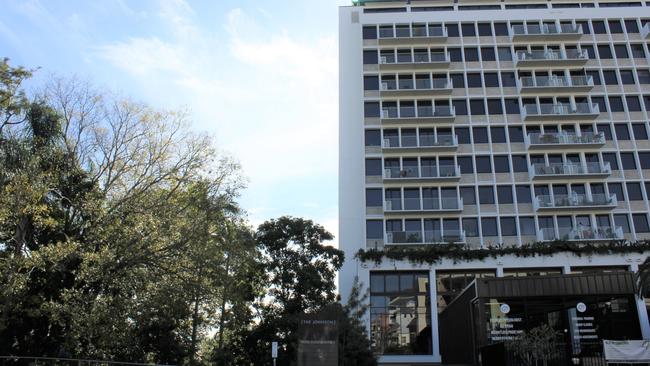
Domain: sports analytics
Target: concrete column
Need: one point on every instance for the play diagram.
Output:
(435, 337)
(641, 309)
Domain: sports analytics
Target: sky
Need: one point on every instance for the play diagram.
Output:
(260, 76)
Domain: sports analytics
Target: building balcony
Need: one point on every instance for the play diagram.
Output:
(555, 84)
(569, 170)
(423, 174)
(551, 58)
(415, 61)
(645, 31)
(419, 87)
(414, 36)
(564, 112)
(420, 114)
(425, 237)
(574, 202)
(563, 140)
(584, 233)
(422, 143)
(546, 32)
(416, 205)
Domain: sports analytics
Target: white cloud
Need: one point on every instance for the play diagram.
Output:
(269, 97)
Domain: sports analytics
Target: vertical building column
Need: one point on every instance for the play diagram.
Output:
(435, 337)
(641, 309)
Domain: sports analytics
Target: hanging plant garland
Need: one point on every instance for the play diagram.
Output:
(433, 254)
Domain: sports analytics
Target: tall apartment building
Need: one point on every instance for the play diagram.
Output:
(477, 123)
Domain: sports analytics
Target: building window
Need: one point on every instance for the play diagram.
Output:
(627, 161)
(491, 80)
(627, 77)
(465, 163)
(370, 57)
(598, 27)
(606, 129)
(508, 80)
(371, 109)
(512, 107)
(455, 55)
(523, 194)
(374, 229)
(474, 80)
(468, 195)
(370, 32)
(622, 132)
(460, 106)
(457, 80)
(631, 26)
(621, 51)
(494, 107)
(400, 313)
(637, 50)
(373, 167)
(373, 138)
(486, 195)
(634, 191)
(488, 54)
(477, 107)
(615, 27)
(480, 135)
(504, 194)
(639, 130)
(622, 221)
(483, 164)
(498, 134)
(610, 77)
(519, 164)
(611, 159)
(643, 76)
(617, 189)
(640, 223)
(508, 226)
(468, 29)
(463, 135)
(505, 54)
(471, 54)
(644, 159)
(604, 51)
(616, 104)
(527, 226)
(470, 226)
(501, 164)
(373, 197)
(516, 134)
(633, 104)
(489, 226)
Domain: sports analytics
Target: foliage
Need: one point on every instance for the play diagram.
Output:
(643, 278)
(435, 253)
(535, 345)
(354, 345)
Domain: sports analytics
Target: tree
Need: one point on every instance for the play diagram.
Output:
(354, 345)
(535, 345)
(643, 278)
(300, 272)
(113, 239)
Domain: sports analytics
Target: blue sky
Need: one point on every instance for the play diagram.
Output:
(261, 76)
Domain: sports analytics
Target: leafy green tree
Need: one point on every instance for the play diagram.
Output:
(354, 345)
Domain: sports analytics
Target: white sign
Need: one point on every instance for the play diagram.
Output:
(274, 349)
(626, 351)
(581, 307)
(505, 308)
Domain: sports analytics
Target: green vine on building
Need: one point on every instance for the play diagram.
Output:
(432, 254)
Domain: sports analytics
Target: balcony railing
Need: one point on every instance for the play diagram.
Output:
(574, 200)
(418, 112)
(415, 32)
(545, 82)
(418, 84)
(550, 55)
(563, 138)
(545, 30)
(424, 204)
(425, 237)
(569, 169)
(560, 110)
(424, 172)
(425, 141)
(582, 233)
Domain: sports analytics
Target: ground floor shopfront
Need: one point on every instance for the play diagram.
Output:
(410, 305)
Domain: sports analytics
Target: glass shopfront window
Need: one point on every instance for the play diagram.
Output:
(580, 322)
(400, 313)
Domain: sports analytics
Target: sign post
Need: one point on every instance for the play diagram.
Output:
(274, 351)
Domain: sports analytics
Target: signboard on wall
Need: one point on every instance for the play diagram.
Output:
(318, 339)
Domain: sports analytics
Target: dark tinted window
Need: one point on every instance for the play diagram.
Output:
(373, 167)
(486, 195)
(373, 137)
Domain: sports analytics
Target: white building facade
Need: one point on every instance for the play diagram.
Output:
(477, 124)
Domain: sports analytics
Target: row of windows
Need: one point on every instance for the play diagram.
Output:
(501, 163)
(497, 106)
(503, 53)
(501, 134)
(510, 225)
(505, 194)
(504, 79)
(617, 4)
(486, 29)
